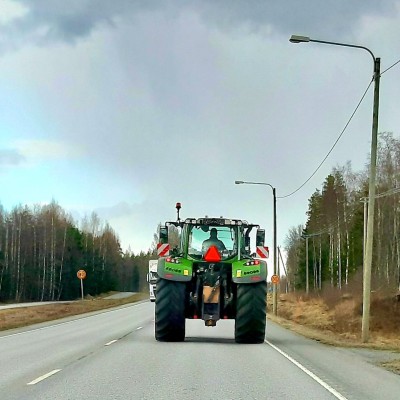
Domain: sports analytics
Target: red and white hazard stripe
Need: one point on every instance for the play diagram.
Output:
(163, 249)
(262, 251)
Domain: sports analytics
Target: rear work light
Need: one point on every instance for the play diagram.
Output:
(253, 262)
(172, 260)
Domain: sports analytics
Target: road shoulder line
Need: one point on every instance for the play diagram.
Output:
(307, 371)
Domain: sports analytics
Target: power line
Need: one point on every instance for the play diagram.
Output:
(334, 144)
(328, 229)
(387, 69)
(388, 193)
(383, 194)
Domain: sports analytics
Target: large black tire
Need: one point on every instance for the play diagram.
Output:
(170, 311)
(251, 311)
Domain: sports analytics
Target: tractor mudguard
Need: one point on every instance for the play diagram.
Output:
(242, 273)
(175, 269)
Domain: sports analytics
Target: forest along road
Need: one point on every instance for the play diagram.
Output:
(113, 355)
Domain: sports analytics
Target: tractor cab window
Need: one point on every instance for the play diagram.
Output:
(202, 237)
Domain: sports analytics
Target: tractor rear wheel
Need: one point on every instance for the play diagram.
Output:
(251, 310)
(170, 311)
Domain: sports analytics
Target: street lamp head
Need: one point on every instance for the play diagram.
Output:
(238, 182)
(299, 39)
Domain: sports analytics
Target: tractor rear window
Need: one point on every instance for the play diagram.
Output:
(201, 238)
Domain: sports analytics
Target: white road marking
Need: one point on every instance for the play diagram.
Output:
(308, 372)
(43, 377)
(112, 341)
(140, 327)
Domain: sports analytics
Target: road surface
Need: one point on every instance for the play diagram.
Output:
(113, 355)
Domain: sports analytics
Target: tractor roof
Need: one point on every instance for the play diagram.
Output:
(212, 221)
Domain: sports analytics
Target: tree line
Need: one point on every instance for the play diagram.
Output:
(42, 248)
(328, 249)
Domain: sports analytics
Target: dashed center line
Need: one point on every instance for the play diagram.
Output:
(43, 377)
(140, 327)
(112, 341)
(308, 372)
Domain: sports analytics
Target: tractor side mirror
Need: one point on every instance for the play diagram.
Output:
(174, 252)
(260, 237)
(163, 234)
(247, 244)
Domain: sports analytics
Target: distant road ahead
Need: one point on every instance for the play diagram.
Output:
(113, 355)
(32, 304)
(120, 295)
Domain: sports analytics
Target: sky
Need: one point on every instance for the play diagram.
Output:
(126, 107)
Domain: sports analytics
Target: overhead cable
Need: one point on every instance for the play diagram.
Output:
(387, 69)
(334, 144)
(383, 194)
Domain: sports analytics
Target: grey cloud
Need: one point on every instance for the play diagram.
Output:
(50, 20)
(336, 17)
(10, 157)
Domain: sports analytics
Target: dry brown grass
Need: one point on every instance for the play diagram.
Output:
(393, 366)
(336, 319)
(22, 316)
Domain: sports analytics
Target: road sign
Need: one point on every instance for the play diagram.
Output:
(275, 279)
(162, 249)
(262, 251)
(81, 274)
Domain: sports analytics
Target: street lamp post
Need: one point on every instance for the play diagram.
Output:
(372, 179)
(274, 288)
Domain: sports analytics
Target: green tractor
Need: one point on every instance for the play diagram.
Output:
(211, 276)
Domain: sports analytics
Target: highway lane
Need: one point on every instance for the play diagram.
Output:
(29, 353)
(114, 356)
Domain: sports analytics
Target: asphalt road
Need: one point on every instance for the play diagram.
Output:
(113, 355)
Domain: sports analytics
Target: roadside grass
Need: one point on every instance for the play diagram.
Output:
(393, 366)
(23, 316)
(334, 318)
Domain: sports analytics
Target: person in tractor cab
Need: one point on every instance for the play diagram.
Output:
(213, 241)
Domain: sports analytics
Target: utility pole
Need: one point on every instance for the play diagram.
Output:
(371, 208)
(365, 201)
(372, 180)
(306, 237)
(274, 291)
(274, 288)
(307, 284)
